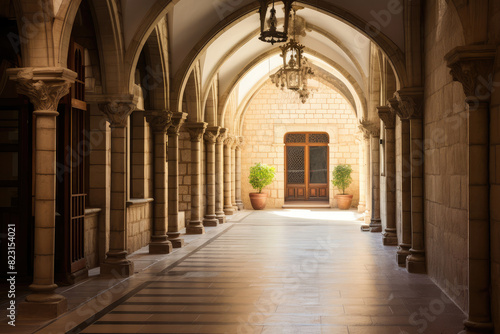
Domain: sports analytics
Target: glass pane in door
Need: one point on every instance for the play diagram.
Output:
(318, 164)
(296, 164)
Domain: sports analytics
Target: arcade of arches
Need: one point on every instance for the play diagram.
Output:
(131, 124)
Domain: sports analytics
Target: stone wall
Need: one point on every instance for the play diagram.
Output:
(445, 156)
(139, 227)
(268, 119)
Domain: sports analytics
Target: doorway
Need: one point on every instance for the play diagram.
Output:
(306, 166)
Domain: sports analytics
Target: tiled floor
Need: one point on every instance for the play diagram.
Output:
(289, 271)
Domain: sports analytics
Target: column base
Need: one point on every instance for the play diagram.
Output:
(175, 239)
(365, 228)
(195, 227)
(221, 217)
(42, 306)
(239, 204)
(402, 254)
(235, 207)
(210, 220)
(472, 327)
(229, 211)
(160, 245)
(361, 207)
(375, 225)
(415, 262)
(390, 237)
(116, 264)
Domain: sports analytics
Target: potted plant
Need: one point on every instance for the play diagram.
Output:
(261, 175)
(341, 179)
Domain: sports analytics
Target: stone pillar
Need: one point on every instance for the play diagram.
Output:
(233, 174)
(362, 176)
(44, 87)
(219, 176)
(211, 138)
(388, 116)
(117, 113)
(228, 204)
(411, 105)
(405, 233)
(366, 172)
(375, 222)
(178, 119)
(472, 66)
(239, 201)
(159, 122)
(196, 131)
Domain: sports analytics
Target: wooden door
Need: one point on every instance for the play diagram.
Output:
(306, 166)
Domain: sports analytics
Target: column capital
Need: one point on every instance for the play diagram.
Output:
(211, 134)
(44, 86)
(222, 135)
(159, 120)
(393, 103)
(369, 128)
(117, 110)
(411, 102)
(388, 116)
(196, 130)
(473, 66)
(229, 141)
(177, 121)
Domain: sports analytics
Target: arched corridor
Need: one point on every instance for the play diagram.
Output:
(130, 131)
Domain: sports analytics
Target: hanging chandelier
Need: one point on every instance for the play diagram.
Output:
(296, 69)
(273, 35)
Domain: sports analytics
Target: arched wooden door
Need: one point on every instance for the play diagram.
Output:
(306, 166)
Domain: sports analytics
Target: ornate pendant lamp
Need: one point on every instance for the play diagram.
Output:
(296, 70)
(273, 35)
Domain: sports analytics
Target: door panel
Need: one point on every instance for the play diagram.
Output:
(306, 166)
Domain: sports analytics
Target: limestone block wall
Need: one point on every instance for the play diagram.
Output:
(445, 156)
(92, 237)
(267, 121)
(139, 216)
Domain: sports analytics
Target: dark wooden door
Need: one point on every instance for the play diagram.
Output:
(72, 172)
(306, 166)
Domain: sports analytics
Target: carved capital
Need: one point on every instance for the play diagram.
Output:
(177, 121)
(229, 141)
(159, 120)
(411, 102)
(43, 86)
(393, 103)
(473, 67)
(117, 112)
(196, 131)
(369, 128)
(211, 134)
(388, 116)
(222, 136)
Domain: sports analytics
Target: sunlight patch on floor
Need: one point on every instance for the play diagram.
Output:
(318, 215)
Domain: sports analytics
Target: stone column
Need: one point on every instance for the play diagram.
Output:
(239, 201)
(472, 66)
(178, 119)
(366, 172)
(411, 104)
(233, 174)
(362, 176)
(159, 122)
(388, 116)
(405, 205)
(228, 204)
(44, 87)
(211, 138)
(219, 176)
(375, 222)
(196, 131)
(117, 113)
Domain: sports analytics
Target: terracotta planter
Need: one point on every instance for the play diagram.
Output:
(344, 202)
(258, 200)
